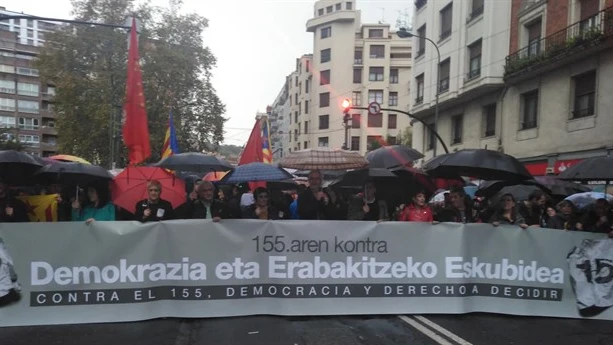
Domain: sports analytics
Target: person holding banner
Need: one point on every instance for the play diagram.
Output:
(153, 208)
(417, 211)
(314, 203)
(11, 210)
(367, 206)
(262, 209)
(507, 213)
(460, 210)
(98, 206)
(205, 206)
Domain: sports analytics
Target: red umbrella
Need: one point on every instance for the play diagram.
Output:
(130, 187)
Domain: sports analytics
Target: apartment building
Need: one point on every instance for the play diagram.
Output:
(531, 86)
(361, 62)
(557, 105)
(25, 104)
(279, 122)
(29, 32)
(472, 37)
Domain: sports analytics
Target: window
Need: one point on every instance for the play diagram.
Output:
(321, 13)
(30, 42)
(355, 120)
(421, 40)
(430, 138)
(489, 120)
(306, 128)
(476, 10)
(357, 76)
(29, 139)
(27, 89)
(394, 76)
(356, 98)
(324, 121)
(296, 99)
(30, 23)
(338, 6)
(324, 99)
(392, 121)
(419, 80)
(326, 32)
(474, 68)
(51, 90)
(357, 57)
(325, 55)
(443, 81)
(329, 9)
(534, 37)
(375, 121)
(585, 94)
(306, 107)
(376, 74)
(296, 83)
(530, 109)
(299, 128)
(355, 143)
(393, 98)
(30, 33)
(391, 140)
(296, 117)
(7, 86)
(324, 77)
(299, 108)
(322, 142)
(7, 104)
(377, 51)
(28, 123)
(307, 86)
(296, 136)
(457, 123)
(290, 135)
(375, 33)
(7, 122)
(375, 96)
(349, 6)
(7, 69)
(446, 14)
(307, 66)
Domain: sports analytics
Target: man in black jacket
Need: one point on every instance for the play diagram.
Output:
(314, 203)
(153, 208)
(205, 206)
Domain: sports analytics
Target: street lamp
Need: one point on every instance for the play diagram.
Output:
(403, 33)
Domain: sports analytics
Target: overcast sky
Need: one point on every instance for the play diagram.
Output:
(255, 42)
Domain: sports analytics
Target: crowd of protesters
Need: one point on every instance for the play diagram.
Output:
(204, 200)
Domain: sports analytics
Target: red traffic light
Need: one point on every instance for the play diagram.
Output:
(346, 105)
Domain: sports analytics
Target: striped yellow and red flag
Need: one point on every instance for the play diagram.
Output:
(41, 208)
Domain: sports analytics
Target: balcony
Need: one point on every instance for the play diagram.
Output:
(473, 74)
(420, 3)
(583, 36)
(419, 100)
(48, 130)
(357, 62)
(48, 146)
(420, 53)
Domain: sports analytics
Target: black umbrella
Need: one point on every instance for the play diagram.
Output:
(520, 190)
(74, 174)
(561, 187)
(388, 157)
(478, 163)
(194, 162)
(357, 178)
(17, 167)
(591, 169)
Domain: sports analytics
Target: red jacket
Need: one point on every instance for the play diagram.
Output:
(413, 214)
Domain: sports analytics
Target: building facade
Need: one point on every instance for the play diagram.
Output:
(362, 63)
(29, 32)
(531, 86)
(26, 111)
(472, 37)
(279, 122)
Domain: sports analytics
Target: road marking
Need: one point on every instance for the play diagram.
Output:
(443, 331)
(423, 329)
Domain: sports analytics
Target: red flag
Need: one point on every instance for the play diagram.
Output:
(135, 126)
(253, 150)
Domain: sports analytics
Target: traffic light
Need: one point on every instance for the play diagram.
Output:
(346, 105)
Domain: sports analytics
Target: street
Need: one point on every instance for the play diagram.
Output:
(475, 329)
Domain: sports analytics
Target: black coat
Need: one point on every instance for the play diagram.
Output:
(273, 213)
(162, 210)
(197, 210)
(313, 209)
(20, 212)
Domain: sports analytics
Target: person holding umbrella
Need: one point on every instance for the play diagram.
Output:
(153, 208)
(367, 206)
(98, 206)
(11, 210)
(314, 203)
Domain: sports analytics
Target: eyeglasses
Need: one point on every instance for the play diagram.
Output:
(154, 190)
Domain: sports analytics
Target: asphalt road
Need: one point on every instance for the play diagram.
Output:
(473, 329)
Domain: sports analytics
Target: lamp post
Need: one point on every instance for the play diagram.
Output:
(403, 33)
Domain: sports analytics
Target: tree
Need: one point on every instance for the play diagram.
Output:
(88, 67)
(405, 137)
(8, 141)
